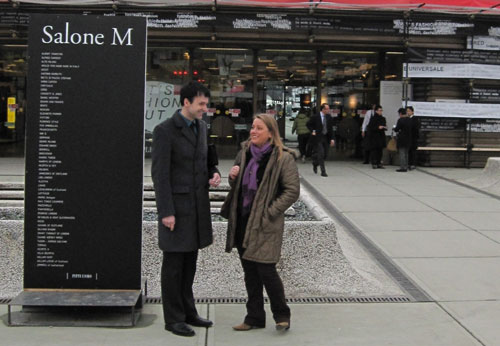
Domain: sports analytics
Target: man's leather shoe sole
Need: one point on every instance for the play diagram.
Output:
(199, 322)
(180, 328)
(282, 325)
(243, 327)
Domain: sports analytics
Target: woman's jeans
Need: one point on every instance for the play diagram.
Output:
(258, 276)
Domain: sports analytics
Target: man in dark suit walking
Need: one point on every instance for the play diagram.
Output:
(415, 132)
(321, 127)
(181, 178)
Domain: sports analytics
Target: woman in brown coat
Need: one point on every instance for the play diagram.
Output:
(264, 184)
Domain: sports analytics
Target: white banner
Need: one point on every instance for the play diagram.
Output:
(477, 71)
(483, 42)
(391, 94)
(161, 103)
(456, 110)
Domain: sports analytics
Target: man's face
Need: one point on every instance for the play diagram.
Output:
(326, 110)
(409, 112)
(194, 110)
(379, 111)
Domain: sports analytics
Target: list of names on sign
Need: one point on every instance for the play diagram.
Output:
(84, 152)
(50, 195)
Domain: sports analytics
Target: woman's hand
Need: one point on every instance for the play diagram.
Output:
(233, 173)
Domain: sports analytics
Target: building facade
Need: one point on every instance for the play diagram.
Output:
(281, 56)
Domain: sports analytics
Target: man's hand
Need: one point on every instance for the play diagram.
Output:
(332, 143)
(169, 222)
(233, 173)
(363, 134)
(215, 181)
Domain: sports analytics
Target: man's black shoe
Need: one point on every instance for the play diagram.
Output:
(401, 170)
(323, 174)
(315, 169)
(180, 328)
(365, 162)
(199, 322)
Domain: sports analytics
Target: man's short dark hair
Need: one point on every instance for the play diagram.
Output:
(193, 89)
(402, 111)
(410, 108)
(323, 105)
(377, 107)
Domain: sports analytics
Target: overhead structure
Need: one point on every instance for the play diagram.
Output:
(442, 6)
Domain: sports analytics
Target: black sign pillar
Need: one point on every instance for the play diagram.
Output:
(84, 153)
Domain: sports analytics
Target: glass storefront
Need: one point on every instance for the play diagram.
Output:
(242, 82)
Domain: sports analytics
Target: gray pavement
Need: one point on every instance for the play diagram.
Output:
(443, 236)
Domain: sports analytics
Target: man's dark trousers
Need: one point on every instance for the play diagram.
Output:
(177, 276)
(320, 152)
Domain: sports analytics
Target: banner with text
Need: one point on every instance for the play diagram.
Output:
(456, 110)
(476, 71)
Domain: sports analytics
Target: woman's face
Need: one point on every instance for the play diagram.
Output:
(259, 134)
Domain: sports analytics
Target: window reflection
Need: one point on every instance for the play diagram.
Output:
(350, 80)
(228, 73)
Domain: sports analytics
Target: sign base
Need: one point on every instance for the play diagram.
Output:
(76, 308)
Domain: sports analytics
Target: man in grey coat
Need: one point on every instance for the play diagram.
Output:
(181, 178)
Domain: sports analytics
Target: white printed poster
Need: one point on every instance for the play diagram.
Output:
(456, 110)
(162, 100)
(483, 42)
(391, 94)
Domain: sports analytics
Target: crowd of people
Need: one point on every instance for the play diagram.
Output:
(318, 132)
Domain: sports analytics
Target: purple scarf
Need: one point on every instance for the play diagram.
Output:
(250, 174)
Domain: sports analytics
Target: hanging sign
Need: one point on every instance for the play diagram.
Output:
(483, 42)
(456, 110)
(476, 71)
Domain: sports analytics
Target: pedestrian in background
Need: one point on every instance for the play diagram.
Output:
(264, 184)
(303, 133)
(321, 127)
(366, 145)
(404, 134)
(375, 132)
(415, 133)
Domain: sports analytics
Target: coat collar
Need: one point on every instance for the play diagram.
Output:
(185, 130)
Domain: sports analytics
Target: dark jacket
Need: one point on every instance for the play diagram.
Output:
(315, 124)
(277, 191)
(415, 130)
(375, 136)
(180, 175)
(403, 129)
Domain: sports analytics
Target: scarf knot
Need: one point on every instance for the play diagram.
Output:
(250, 174)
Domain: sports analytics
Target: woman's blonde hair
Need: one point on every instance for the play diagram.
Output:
(272, 126)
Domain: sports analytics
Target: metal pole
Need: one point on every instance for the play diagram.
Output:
(254, 86)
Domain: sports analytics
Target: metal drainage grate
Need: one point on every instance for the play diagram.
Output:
(311, 300)
(5, 300)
